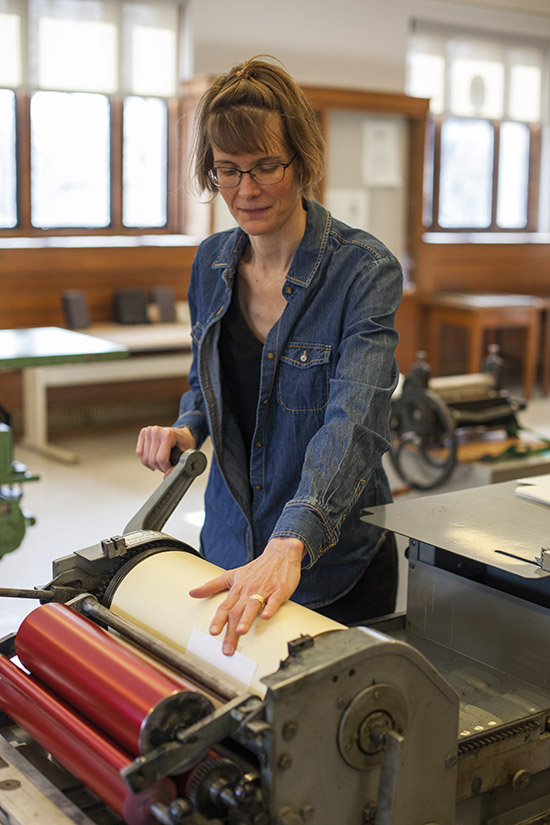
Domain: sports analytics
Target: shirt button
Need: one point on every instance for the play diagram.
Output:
(270, 356)
(259, 445)
(258, 487)
(288, 290)
(265, 402)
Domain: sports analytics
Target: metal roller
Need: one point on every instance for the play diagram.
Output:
(135, 701)
(77, 745)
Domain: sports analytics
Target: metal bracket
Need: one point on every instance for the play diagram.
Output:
(388, 778)
(191, 744)
(543, 560)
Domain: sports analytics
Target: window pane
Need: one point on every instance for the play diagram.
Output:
(525, 93)
(69, 160)
(153, 61)
(77, 54)
(513, 176)
(144, 162)
(477, 87)
(427, 79)
(10, 56)
(8, 178)
(465, 194)
(150, 48)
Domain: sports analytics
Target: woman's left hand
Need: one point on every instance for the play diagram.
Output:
(261, 586)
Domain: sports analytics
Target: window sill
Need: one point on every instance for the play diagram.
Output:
(88, 241)
(486, 237)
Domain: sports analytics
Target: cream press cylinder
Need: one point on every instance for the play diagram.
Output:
(154, 594)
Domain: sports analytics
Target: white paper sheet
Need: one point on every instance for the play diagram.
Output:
(535, 492)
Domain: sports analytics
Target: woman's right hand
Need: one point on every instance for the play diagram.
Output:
(155, 444)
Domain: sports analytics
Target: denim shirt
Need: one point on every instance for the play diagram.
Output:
(322, 423)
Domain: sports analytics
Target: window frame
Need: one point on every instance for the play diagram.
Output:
(433, 163)
(24, 227)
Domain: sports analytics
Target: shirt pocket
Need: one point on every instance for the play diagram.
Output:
(304, 377)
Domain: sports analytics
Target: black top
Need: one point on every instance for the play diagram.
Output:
(240, 362)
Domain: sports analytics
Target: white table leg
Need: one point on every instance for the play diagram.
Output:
(35, 417)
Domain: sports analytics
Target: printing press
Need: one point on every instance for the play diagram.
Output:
(14, 519)
(119, 707)
(429, 416)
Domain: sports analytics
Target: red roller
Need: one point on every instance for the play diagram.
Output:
(135, 701)
(83, 750)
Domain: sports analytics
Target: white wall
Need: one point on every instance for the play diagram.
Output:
(352, 43)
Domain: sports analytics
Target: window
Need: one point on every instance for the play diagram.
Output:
(8, 176)
(144, 162)
(69, 160)
(513, 175)
(486, 103)
(88, 90)
(466, 168)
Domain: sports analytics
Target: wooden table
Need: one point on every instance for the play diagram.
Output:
(36, 348)
(545, 342)
(478, 313)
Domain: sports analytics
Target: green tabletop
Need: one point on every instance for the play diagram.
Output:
(40, 346)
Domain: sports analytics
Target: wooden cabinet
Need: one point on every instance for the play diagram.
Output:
(408, 112)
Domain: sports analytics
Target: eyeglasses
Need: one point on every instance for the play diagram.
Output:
(266, 174)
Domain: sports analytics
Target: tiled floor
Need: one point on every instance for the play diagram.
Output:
(78, 505)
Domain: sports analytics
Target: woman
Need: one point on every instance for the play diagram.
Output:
(293, 369)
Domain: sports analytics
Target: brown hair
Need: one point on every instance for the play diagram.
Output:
(234, 114)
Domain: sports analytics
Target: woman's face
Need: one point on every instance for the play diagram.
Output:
(264, 210)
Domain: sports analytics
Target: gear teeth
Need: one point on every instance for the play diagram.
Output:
(203, 777)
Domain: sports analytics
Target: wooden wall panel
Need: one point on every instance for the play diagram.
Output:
(32, 280)
(483, 267)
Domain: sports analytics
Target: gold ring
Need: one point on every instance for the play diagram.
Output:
(259, 599)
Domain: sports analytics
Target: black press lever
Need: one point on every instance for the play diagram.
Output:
(163, 501)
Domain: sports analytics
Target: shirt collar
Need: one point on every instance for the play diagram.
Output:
(308, 255)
